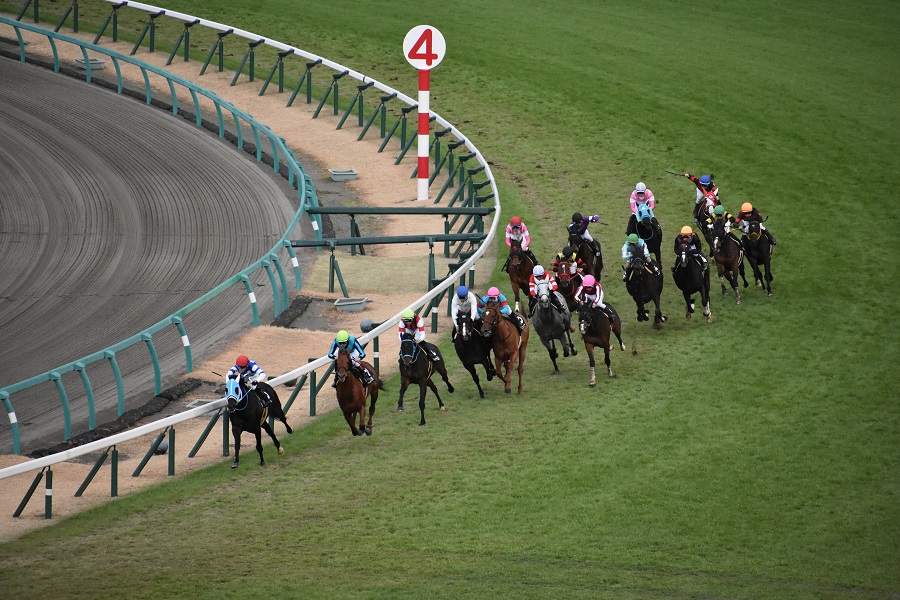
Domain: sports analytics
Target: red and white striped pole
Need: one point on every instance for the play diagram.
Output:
(424, 48)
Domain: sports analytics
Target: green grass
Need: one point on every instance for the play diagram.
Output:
(754, 457)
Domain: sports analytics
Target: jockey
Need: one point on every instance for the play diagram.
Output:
(345, 341)
(413, 324)
(750, 213)
(705, 187)
(579, 226)
(517, 232)
(569, 255)
(464, 301)
(693, 246)
(539, 275)
(495, 298)
(634, 245)
(591, 292)
(641, 195)
(720, 214)
(248, 374)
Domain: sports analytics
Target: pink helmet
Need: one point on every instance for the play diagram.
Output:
(493, 292)
(588, 281)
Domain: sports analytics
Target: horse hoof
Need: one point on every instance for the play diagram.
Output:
(234, 465)
(443, 409)
(262, 463)
(399, 409)
(593, 382)
(368, 431)
(281, 450)
(422, 424)
(738, 301)
(449, 388)
(508, 390)
(770, 294)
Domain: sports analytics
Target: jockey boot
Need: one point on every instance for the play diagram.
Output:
(609, 314)
(532, 256)
(432, 352)
(532, 303)
(334, 383)
(625, 273)
(368, 379)
(520, 323)
(771, 237)
(595, 245)
(506, 264)
(559, 307)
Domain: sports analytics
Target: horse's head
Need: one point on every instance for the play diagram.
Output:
(489, 319)
(342, 364)
(754, 231)
(543, 294)
(463, 326)
(637, 267)
(574, 240)
(408, 348)
(585, 314)
(233, 394)
(644, 214)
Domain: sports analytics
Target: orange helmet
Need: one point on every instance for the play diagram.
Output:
(515, 222)
(686, 230)
(242, 361)
(746, 207)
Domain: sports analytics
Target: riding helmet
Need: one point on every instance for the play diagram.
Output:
(577, 217)
(407, 314)
(640, 188)
(462, 291)
(686, 230)
(342, 336)
(493, 293)
(746, 207)
(588, 281)
(538, 271)
(515, 222)
(719, 210)
(242, 361)
(633, 238)
(705, 181)
(568, 251)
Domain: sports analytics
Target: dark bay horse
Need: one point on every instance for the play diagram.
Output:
(729, 257)
(645, 287)
(593, 264)
(472, 349)
(551, 325)
(351, 393)
(704, 210)
(567, 283)
(509, 346)
(416, 368)
(246, 412)
(595, 328)
(691, 277)
(520, 268)
(648, 229)
(758, 249)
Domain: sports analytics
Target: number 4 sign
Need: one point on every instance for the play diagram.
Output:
(424, 47)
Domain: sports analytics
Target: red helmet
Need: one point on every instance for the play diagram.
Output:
(515, 222)
(242, 361)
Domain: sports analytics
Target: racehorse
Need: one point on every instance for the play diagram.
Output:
(568, 284)
(647, 229)
(472, 349)
(551, 325)
(351, 393)
(704, 210)
(508, 344)
(246, 412)
(758, 249)
(595, 328)
(593, 264)
(520, 268)
(415, 367)
(691, 277)
(729, 257)
(645, 287)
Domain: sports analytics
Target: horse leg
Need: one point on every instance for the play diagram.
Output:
(733, 274)
(436, 395)
(442, 369)
(741, 271)
(704, 298)
(590, 350)
(606, 359)
(236, 434)
(404, 383)
(277, 411)
(523, 345)
(262, 461)
(572, 350)
(689, 306)
(658, 317)
(351, 421)
(722, 280)
(474, 373)
(550, 345)
(499, 367)
(768, 266)
(268, 429)
(422, 392)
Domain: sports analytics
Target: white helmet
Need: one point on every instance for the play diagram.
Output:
(538, 271)
(641, 187)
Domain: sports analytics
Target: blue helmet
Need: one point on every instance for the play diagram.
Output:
(705, 180)
(462, 292)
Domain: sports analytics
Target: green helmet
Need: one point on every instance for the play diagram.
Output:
(408, 314)
(632, 238)
(719, 210)
(342, 336)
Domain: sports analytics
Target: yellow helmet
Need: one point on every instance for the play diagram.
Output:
(343, 336)
(686, 230)
(746, 207)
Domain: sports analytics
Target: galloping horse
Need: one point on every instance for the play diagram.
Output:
(691, 277)
(567, 283)
(704, 210)
(472, 349)
(593, 264)
(551, 325)
(351, 394)
(649, 230)
(759, 252)
(415, 367)
(729, 257)
(246, 412)
(520, 268)
(508, 344)
(595, 328)
(645, 287)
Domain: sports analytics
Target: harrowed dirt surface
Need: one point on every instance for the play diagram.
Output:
(390, 276)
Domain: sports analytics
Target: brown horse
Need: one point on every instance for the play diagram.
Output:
(351, 394)
(593, 262)
(726, 251)
(595, 328)
(520, 269)
(509, 345)
(567, 283)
